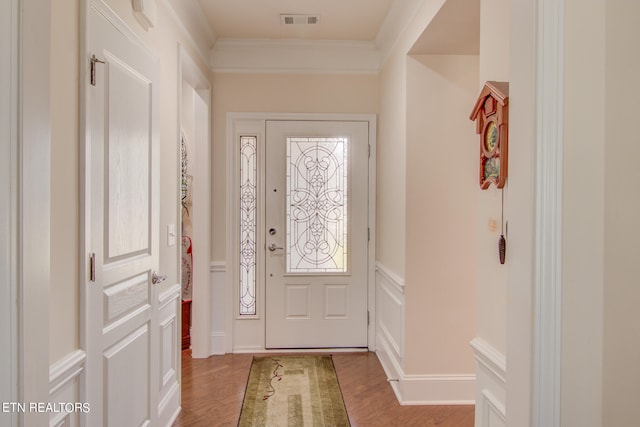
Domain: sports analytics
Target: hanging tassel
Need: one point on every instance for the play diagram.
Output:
(502, 242)
(502, 248)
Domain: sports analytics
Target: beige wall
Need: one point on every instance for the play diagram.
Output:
(621, 328)
(391, 185)
(65, 190)
(600, 333)
(583, 213)
(521, 214)
(163, 41)
(491, 275)
(441, 176)
(427, 204)
(285, 93)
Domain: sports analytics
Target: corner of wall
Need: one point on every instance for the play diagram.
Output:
(390, 326)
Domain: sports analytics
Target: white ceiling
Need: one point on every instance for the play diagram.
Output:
(260, 19)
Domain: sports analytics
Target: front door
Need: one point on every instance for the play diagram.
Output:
(122, 160)
(316, 225)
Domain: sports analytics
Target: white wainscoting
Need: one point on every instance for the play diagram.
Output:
(490, 385)
(450, 389)
(169, 304)
(64, 387)
(390, 325)
(219, 298)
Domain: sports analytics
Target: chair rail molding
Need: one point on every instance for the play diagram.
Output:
(64, 386)
(491, 380)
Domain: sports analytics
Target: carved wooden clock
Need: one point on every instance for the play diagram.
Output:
(491, 114)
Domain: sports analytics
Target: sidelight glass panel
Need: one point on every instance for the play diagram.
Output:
(248, 224)
(316, 205)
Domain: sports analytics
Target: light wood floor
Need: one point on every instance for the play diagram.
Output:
(213, 390)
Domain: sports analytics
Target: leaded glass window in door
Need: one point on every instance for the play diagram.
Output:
(317, 205)
(248, 224)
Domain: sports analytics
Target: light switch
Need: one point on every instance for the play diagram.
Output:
(171, 235)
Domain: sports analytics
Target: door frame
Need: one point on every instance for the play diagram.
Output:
(246, 334)
(189, 73)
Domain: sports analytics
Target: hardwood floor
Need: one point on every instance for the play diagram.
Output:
(213, 390)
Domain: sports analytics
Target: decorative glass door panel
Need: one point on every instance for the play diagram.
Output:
(316, 205)
(316, 223)
(248, 223)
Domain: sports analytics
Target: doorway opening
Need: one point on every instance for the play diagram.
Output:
(195, 206)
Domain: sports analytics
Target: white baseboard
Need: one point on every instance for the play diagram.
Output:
(491, 385)
(456, 389)
(446, 389)
(218, 343)
(219, 332)
(169, 407)
(391, 365)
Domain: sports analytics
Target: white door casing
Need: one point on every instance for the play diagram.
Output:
(317, 234)
(121, 229)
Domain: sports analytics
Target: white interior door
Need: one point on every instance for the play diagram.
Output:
(316, 225)
(121, 314)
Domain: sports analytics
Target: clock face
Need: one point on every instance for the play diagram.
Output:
(490, 137)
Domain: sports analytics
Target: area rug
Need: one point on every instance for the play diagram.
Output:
(293, 391)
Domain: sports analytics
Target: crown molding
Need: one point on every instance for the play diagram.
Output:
(400, 15)
(295, 56)
(190, 19)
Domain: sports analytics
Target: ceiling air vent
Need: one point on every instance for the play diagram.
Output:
(299, 19)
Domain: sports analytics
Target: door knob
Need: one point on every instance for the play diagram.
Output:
(157, 278)
(273, 247)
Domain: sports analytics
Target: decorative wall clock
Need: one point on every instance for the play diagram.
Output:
(491, 114)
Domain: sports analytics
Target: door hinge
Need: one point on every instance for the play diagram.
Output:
(369, 151)
(368, 234)
(368, 317)
(93, 61)
(92, 267)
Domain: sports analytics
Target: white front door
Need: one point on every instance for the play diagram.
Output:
(316, 226)
(121, 300)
